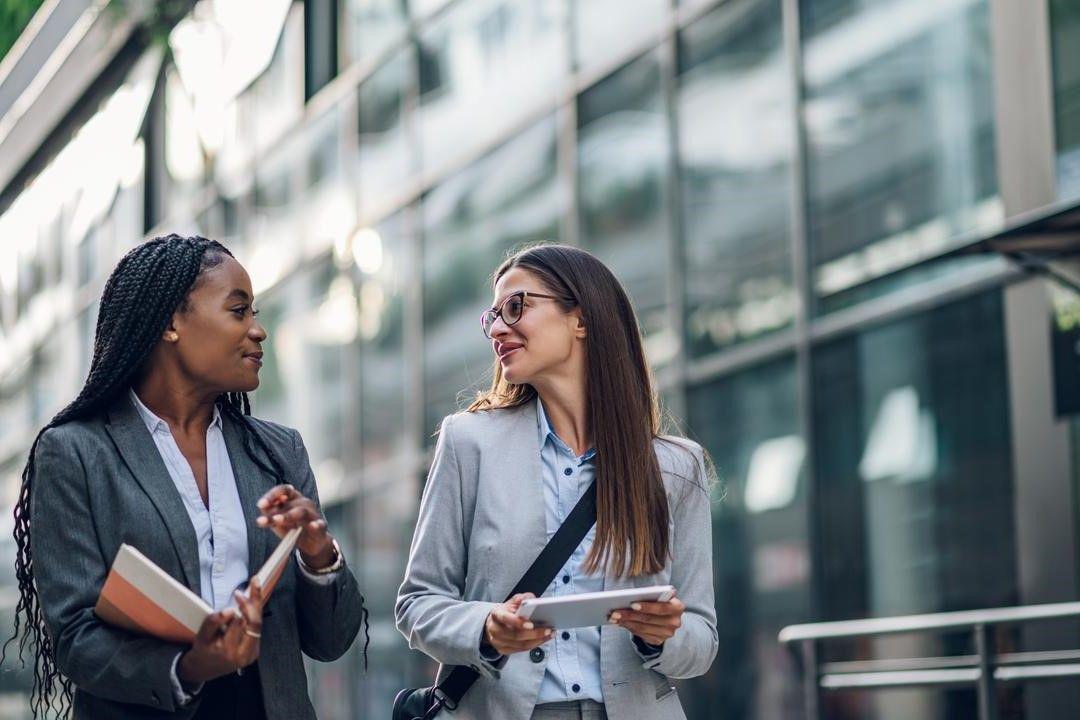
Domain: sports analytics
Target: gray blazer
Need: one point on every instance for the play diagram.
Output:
(102, 482)
(481, 525)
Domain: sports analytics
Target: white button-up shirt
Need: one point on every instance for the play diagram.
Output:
(220, 529)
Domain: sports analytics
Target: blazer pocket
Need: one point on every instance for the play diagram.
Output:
(663, 686)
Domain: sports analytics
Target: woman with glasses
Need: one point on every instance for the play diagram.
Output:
(571, 401)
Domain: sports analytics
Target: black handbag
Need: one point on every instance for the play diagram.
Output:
(425, 703)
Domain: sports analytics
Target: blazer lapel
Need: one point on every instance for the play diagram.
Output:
(140, 454)
(518, 456)
(251, 484)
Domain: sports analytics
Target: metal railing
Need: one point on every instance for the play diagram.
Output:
(984, 670)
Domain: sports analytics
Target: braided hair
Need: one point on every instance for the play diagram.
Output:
(149, 284)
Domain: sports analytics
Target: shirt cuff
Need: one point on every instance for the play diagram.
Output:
(323, 578)
(647, 651)
(490, 656)
(183, 697)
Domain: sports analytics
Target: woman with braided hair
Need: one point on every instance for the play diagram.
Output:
(159, 451)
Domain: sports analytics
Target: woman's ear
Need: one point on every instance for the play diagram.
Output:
(579, 325)
(171, 335)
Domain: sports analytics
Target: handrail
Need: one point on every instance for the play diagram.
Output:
(983, 670)
(933, 621)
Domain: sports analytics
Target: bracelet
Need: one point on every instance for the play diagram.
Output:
(332, 567)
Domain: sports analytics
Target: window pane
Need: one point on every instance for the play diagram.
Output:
(470, 222)
(899, 122)
(485, 65)
(606, 30)
(735, 135)
(371, 26)
(423, 8)
(384, 260)
(383, 531)
(330, 200)
(623, 161)
(385, 160)
(748, 423)
(915, 488)
(1065, 28)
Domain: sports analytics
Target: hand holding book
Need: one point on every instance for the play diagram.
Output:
(227, 640)
(141, 597)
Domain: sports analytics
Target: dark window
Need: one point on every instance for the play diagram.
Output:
(320, 44)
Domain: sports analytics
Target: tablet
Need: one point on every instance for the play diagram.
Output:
(588, 609)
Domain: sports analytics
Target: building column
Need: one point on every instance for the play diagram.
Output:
(1047, 563)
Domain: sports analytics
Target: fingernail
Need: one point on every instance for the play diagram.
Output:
(529, 626)
(635, 606)
(547, 633)
(278, 518)
(262, 503)
(615, 617)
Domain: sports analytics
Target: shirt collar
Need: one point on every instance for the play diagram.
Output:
(547, 433)
(154, 423)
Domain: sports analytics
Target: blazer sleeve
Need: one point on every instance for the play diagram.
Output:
(429, 611)
(690, 652)
(328, 614)
(69, 571)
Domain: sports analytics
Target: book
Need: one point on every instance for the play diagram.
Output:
(141, 597)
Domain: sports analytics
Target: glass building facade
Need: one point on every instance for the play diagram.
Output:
(780, 184)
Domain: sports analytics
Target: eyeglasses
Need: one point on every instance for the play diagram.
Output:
(510, 310)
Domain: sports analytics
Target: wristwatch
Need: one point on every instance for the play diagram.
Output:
(339, 561)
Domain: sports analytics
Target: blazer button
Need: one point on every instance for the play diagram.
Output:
(537, 655)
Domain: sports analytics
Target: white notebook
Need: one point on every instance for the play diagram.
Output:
(140, 596)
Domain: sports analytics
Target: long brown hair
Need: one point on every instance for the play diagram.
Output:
(622, 414)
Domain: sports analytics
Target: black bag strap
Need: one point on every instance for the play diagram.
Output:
(535, 580)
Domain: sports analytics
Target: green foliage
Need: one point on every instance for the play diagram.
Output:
(14, 16)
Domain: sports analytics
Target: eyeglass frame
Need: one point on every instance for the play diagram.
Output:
(498, 310)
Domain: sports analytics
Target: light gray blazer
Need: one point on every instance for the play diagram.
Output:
(99, 483)
(481, 525)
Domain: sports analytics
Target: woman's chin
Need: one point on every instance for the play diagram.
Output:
(512, 375)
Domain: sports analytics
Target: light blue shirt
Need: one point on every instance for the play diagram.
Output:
(573, 667)
(221, 529)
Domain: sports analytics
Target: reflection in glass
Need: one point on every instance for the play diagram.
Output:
(484, 66)
(385, 515)
(915, 489)
(899, 122)
(330, 204)
(1065, 29)
(420, 9)
(504, 200)
(623, 161)
(370, 27)
(735, 140)
(606, 30)
(385, 158)
(748, 423)
(383, 258)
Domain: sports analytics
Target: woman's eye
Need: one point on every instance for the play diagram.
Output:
(240, 311)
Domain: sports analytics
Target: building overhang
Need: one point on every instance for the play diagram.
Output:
(1046, 240)
(65, 61)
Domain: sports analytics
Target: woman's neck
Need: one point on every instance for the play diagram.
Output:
(566, 408)
(185, 409)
